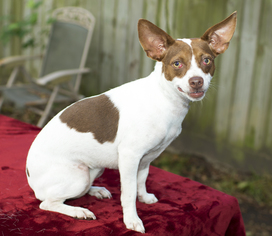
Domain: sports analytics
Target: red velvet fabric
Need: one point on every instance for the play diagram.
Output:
(185, 207)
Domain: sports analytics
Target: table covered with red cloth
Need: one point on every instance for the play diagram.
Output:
(185, 207)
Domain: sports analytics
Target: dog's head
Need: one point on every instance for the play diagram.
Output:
(188, 64)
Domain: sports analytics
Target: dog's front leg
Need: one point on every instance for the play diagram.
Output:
(128, 167)
(143, 195)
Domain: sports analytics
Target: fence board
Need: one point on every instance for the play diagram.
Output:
(268, 141)
(119, 43)
(227, 78)
(91, 82)
(6, 9)
(262, 83)
(249, 36)
(170, 18)
(133, 45)
(149, 13)
(107, 49)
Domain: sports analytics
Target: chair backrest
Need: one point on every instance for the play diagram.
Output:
(69, 41)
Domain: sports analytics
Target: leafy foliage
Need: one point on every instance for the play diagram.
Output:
(23, 29)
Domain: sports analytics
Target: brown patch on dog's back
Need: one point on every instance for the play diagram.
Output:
(97, 115)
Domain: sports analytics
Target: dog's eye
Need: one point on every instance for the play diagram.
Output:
(206, 61)
(177, 64)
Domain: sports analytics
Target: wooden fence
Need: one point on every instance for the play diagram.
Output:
(234, 122)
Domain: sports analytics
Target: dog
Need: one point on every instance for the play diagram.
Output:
(125, 128)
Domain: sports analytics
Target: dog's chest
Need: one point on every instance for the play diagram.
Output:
(162, 140)
(145, 111)
(173, 129)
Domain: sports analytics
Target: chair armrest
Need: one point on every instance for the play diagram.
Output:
(61, 76)
(17, 60)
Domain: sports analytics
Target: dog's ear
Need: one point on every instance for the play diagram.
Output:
(154, 40)
(219, 35)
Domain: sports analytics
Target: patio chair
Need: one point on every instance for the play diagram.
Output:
(62, 65)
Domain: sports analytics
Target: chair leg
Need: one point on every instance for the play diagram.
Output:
(10, 82)
(13, 76)
(1, 102)
(48, 107)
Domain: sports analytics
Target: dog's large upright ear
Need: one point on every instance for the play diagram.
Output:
(154, 40)
(219, 35)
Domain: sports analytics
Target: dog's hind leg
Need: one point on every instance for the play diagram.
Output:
(76, 186)
(73, 181)
(99, 192)
(59, 206)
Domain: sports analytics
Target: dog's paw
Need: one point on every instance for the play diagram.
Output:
(83, 214)
(135, 224)
(99, 192)
(148, 198)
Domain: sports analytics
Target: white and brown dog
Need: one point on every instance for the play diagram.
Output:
(126, 127)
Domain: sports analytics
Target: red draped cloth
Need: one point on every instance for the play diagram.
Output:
(185, 207)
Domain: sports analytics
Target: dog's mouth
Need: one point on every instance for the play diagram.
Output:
(194, 94)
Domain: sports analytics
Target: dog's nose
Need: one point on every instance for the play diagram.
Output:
(196, 82)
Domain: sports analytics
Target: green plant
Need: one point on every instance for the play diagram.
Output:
(259, 187)
(23, 29)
